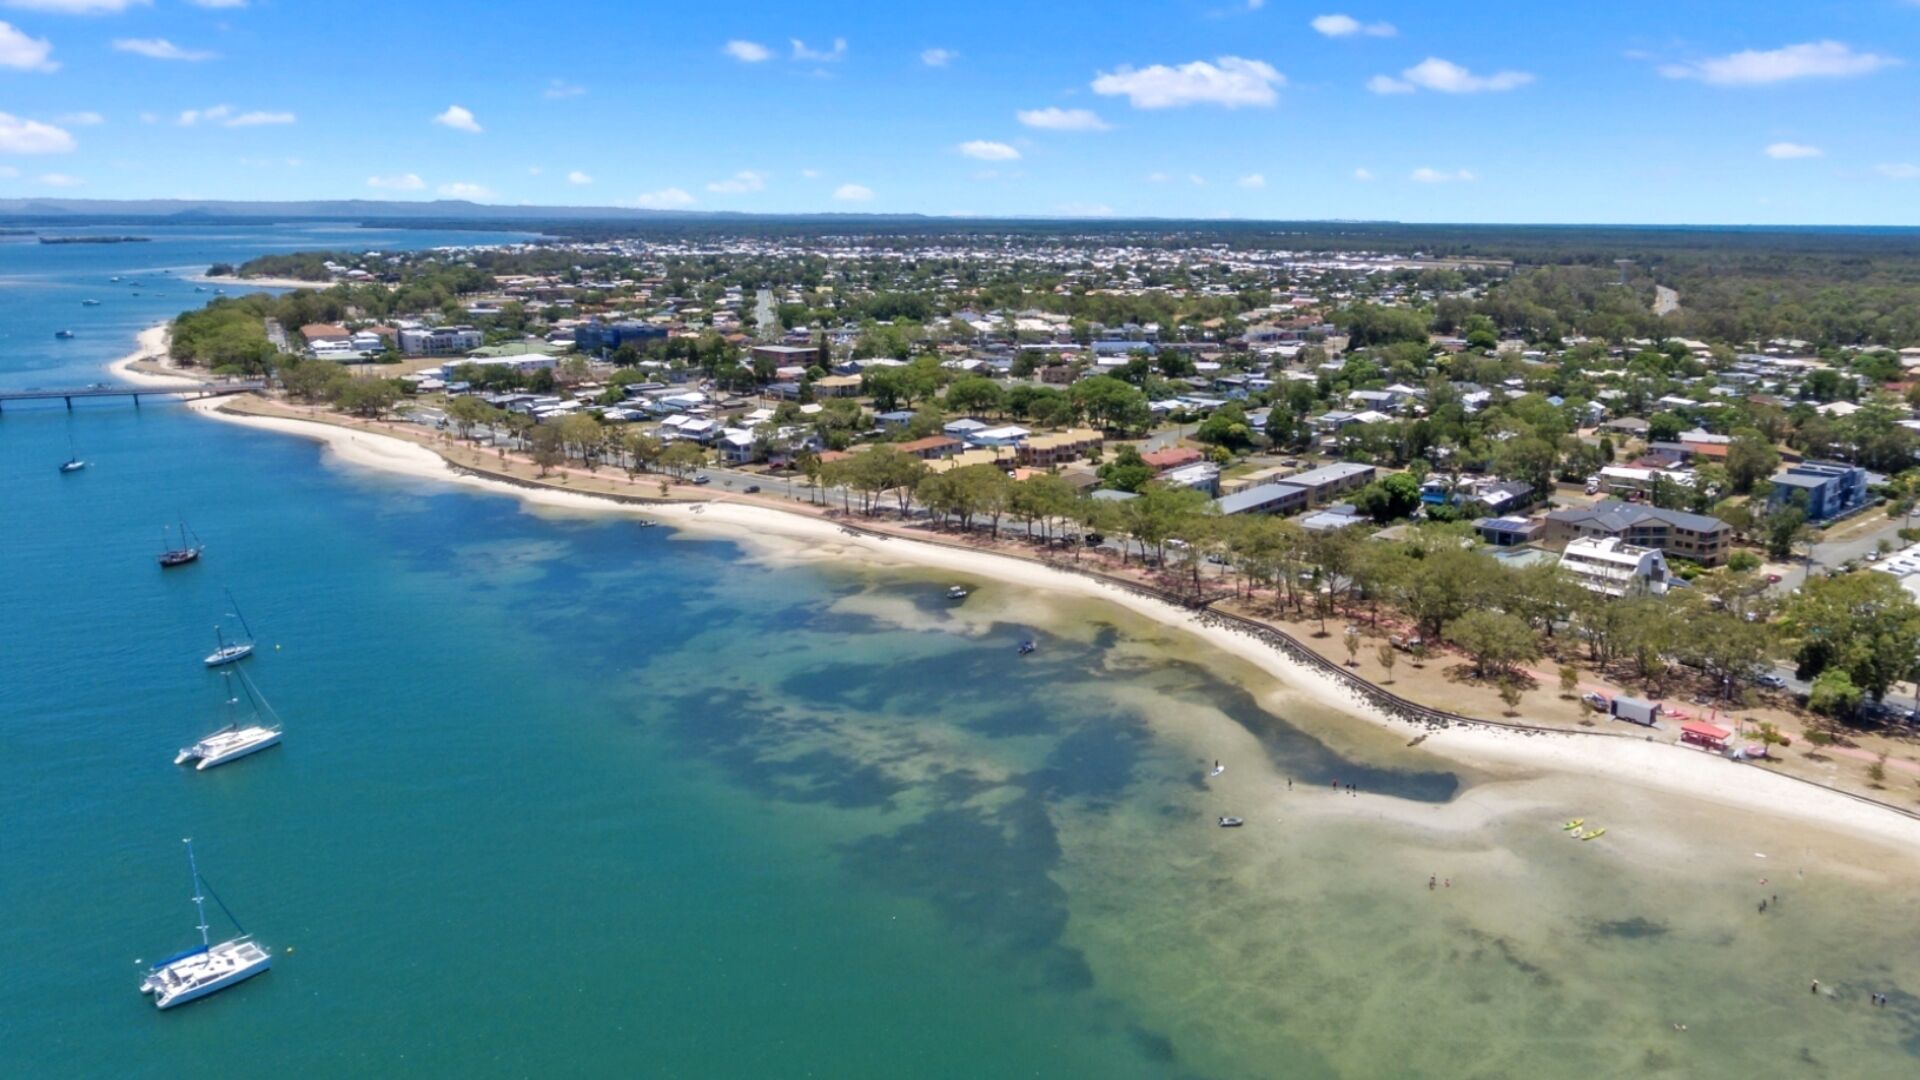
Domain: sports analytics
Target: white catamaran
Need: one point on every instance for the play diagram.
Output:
(197, 972)
(236, 740)
(229, 651)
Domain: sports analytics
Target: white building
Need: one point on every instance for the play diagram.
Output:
(1614, 568)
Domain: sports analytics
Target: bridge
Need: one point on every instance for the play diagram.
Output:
(103, 390)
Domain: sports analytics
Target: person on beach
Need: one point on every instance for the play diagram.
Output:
(1431, 879)
(1815, 988)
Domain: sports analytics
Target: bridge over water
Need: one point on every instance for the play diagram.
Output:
(103, 390)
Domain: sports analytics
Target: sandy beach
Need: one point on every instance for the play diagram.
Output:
(1511, 755)
(240, 285)
(148, 365)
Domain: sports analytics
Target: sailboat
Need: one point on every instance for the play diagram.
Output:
(187, 551)
(63, 335)
(89, 303)
(195, 973)
(235, 740)
(73, 463)
(230, 651)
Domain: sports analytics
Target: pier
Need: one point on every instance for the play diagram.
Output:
(103, 390)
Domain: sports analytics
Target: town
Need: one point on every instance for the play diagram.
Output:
(1445, 454)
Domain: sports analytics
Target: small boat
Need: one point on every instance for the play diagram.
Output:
(957, 593)
(89, 303)
(226, 651)
(1574, 824)
(72, 465)
(199, 288)
(1232, 822)
(236, 740)
(115, 279)
(195, 973)
(63, 335)
(1594, 835)
(187, 551)
(1027, 647)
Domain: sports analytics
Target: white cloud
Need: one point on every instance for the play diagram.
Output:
(828, 56)
(810, 174)
(19, 135)
(1811, 60)
(1348, 26)
(1054, 118)
(739, 183)
(664, 199)
(987, 150)
(1446, 77)
(1898, 171)
(23, 53)
(853, 193)
(463, 190)
(938, 57)
(1252, 180)
(1425, 175)
(1364, 175)
(1787, 151)
(190, 117)
(1157, 178)
(219, 3)
(76, 7)
(561, 88)
(1229, 81)
(261, 119)
(459, 119)
(578, 177)
(54, 179)
(400, 182)
(160, 49)
(1196, 180)
(747, 52)
(81, 119)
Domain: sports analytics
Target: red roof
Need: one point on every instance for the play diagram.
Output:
(1171, 458)
(931, 442)
(1697, 727)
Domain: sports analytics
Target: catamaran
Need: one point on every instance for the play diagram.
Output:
(230, 651)
(236, 740)
(195, 973)
(188, 551)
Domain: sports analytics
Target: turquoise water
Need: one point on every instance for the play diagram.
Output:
(567, 796)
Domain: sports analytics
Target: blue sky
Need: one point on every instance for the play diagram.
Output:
(1701, 111)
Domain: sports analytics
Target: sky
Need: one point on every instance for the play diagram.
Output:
(1683, 111)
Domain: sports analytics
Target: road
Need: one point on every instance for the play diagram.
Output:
(1665, 301)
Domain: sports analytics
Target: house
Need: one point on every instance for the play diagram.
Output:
(1614, 568)
(1264, 499)
(1627, 425)
(931, 448)
(1508, 531)
(1331, 481)
(784, 355)
(1048, 451)
(898, 418)
(1201, 476)
(1173, 457)
(1006, 435)
(834, 386)
(440, 340)
(1830, 489)
(1333, 519)
(1696, 537)
(962, 428)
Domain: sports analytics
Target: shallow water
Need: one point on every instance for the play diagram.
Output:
(567, 795)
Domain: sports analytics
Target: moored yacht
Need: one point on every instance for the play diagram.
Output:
(197, 972)
(958, 592)
(188, 551)
(226, 651)
(237, 739)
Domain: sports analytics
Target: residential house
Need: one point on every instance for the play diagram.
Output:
(1697, 537)
(1331, 481)
(1615, 568)
(1830, 489)
(931, 448)
(1264, 499)
(1059, 448)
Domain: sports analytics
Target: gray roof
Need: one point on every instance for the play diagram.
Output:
(1616, 516)
(1327, 474)
(1256, 497)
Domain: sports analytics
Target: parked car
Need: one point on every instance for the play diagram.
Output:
(752, 489)
(1406, 642)
(1771, 681)
(1595, 701)
(702, 478)
(1095, 539)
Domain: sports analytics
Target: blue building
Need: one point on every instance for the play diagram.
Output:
(594, 337)
(1830, 489)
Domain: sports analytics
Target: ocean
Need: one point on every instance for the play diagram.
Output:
(561, 795)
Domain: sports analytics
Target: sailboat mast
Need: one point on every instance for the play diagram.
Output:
(238, 614)
(199, 902)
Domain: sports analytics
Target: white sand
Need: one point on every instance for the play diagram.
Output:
(1659, 766)
(152, 345)
(241, 286)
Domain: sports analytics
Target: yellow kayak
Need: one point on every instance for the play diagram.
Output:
(1594, 835)
(1574, 824)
